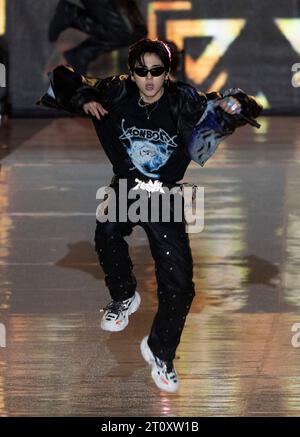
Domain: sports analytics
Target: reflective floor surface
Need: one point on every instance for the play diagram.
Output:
(238, 355)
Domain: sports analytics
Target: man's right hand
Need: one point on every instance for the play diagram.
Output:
(95, 109)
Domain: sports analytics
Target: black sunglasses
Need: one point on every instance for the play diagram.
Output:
(143, 71)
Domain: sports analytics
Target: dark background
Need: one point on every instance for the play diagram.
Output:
(259, 60)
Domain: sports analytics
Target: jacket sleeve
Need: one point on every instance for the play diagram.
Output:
(69, 90)
(215, 124)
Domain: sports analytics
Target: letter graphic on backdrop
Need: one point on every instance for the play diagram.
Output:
(209, 67)
(222, 31)
(289, 27)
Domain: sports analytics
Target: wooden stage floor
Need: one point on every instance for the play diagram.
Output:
(236, 357)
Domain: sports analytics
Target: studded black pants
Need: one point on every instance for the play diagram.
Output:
(170, 249)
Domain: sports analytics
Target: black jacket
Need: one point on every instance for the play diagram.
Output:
(70, 91)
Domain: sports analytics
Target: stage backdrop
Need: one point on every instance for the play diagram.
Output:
(254, 45)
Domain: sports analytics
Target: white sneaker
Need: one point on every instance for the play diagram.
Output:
(116, 313)
(163, 373)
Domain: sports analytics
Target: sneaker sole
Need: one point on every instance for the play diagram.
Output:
(132, 309)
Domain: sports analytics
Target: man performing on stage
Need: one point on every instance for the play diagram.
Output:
(150, 129)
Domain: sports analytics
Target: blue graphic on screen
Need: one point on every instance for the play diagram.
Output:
(148, 149)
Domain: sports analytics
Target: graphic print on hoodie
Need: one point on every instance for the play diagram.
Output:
(148, 149)
(143, 148)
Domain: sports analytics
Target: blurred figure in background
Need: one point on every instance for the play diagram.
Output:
(111, 24)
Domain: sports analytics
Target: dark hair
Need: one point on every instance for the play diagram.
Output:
(138, 50)
(175, 58)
